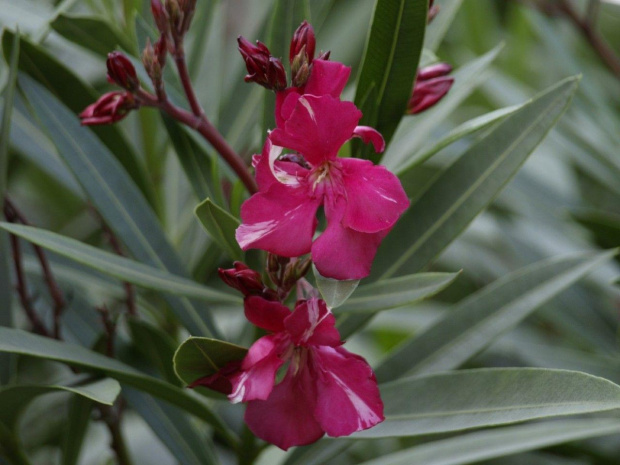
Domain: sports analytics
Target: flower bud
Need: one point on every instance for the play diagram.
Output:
(324, 55)
(432, 84)
(160, 16)
(303, 43)
(262, 68)
(244, 279)
(110, 108)
(122, 72)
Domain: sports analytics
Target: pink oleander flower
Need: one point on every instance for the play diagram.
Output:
(362, 201)
(431, 85)
(326, 389)
(110, 108)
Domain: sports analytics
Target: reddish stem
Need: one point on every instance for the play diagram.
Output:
(179, 59)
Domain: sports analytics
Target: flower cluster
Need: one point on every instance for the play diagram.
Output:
(361, 201)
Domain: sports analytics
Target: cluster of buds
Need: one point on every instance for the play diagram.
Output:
(284, 272)
(173, 18)
(262, 68)
(431, 85)
(246, 281)
(154, 60)
(268, 71)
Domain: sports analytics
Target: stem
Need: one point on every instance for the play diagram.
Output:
(112, 419)
(179, 59)
(208, 131)
(12, 213)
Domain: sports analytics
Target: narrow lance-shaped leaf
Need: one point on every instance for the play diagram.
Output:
(78, 418)
(76, 94)
(461, 400)
(20, 342)
(117, 266)
(390, 64)
(397, 292)
(115, 196)
(221, 226)
(484, 445)
(485, 315)
(15, 398)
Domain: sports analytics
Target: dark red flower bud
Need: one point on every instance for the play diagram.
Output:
(110, 108)
(244, 279)
(160, 16)
(219, 381)
(122, 72)
(303, 37)
(431, 86)
(262, 68)
(324, 55)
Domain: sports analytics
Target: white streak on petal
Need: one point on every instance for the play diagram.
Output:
(281, 175)
(307, 106)
(248, 233)
(367, 416)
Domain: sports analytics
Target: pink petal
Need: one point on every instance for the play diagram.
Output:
(281, 220)
(285, 104)
(266, 314)
(286, 418)
(317, 127)
(341, 252)
(375, 197)
(368, 134)
(312, 324)
(348, 396)
(270, 170)
(327, 78)
(258, 369)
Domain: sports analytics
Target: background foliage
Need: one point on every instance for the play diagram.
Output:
(459, 292)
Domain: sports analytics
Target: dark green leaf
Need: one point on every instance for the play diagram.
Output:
(198, 357)
(485, 315)
(221, 226)
(20, 342)
(78, 419)
(390, 64)
(115, 196)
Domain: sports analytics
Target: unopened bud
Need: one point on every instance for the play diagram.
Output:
(148, 58)
(262, 68)
(432, 84)
(304, 43)
(324, 55)
(301, 77)
(187, 8)
(160, 16)
(242, 278)
(110, 108)
(122, 72)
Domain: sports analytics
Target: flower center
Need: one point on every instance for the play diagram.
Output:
(326, 176)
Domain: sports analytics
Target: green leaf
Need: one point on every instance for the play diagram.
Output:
(390, 65)
(461, 400)
(188, 443)
(470, 448)
(195, 161)
(77, 95)
(483, 316)
(414, 131)
(436, 31)
(397, 292)
(115, 197)
(122, 268)
(15, 398)
(6, 289)
(78, 418)
(198, 357)
(20, 342)
(466, 187)
(221, 226)
(465, 129)
(93, 33)
(333, 291)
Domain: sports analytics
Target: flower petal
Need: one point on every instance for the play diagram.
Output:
(285, 104)
(368, 134)
(348, 398)
(375, 197)
(281, 220)
(258, 369)
(317, 127)
(327, 78)
(312, 324)
(266, 314)
(286, 418)
(341, 252)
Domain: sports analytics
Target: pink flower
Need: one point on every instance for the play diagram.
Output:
(362, 201)
(110, 108)
(326, 389)
(432, 84)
